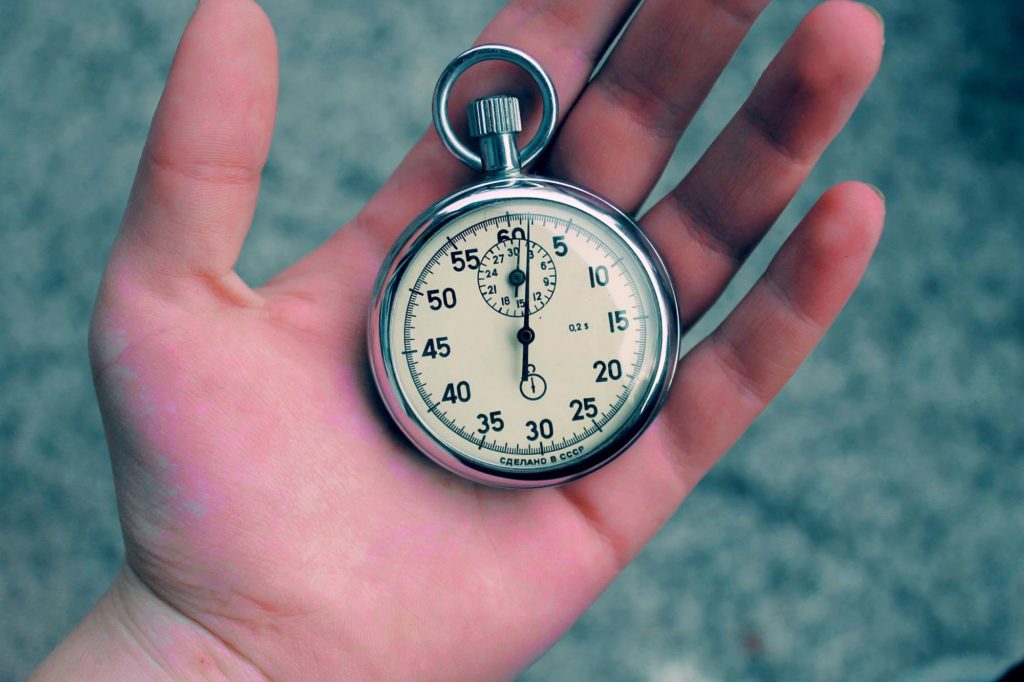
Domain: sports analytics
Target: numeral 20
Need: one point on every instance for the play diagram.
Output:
(608, 371)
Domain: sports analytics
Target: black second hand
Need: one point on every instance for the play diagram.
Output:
(526, 334)
(519, 268)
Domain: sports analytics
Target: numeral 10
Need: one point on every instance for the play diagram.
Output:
(598, 276)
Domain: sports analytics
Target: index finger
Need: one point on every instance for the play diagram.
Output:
(567, 37)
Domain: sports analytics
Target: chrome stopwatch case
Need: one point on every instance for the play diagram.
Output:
(523, 331)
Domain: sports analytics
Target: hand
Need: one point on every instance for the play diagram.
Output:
(274, 520)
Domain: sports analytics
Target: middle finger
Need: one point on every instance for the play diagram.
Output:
(623, 129)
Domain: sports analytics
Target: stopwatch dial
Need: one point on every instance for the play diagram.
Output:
(501, 276)
(525, 395)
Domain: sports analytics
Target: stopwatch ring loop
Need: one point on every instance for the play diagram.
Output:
(485, 53)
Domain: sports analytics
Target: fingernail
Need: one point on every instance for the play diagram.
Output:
(877, 191)
(877, 14)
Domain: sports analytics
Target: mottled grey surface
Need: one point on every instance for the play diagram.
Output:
(870, 523)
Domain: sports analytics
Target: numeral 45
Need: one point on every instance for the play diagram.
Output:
(437, 348)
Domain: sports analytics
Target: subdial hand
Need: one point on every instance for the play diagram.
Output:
(516, 277)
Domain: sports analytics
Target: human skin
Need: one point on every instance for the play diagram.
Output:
(275, 522)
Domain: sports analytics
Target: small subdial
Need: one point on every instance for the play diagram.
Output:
(503, 273)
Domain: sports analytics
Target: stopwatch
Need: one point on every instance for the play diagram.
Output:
(523, 331)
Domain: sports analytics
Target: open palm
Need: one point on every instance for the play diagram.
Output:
(275, 521)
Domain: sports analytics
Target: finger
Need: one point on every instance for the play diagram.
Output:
(728, 378)
(197, 182)
(622, 131)
(708, 224)
(566, 36)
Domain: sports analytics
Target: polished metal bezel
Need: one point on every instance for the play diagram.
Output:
(469, 199)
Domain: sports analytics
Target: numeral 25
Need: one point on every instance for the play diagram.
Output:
(584, 407)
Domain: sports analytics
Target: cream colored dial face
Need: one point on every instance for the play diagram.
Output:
(459, 331)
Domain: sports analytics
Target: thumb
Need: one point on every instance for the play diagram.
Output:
(197, 183)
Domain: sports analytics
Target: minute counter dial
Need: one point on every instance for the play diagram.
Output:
(501, 276)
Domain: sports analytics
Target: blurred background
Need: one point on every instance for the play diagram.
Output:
(870, 524)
